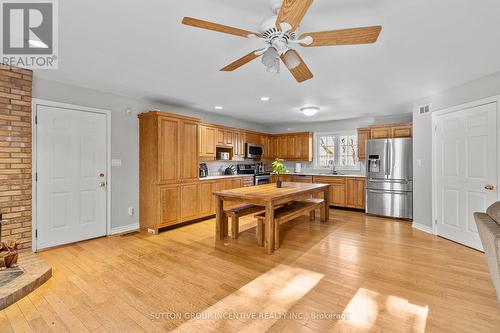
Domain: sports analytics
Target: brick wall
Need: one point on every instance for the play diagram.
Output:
(15, 153)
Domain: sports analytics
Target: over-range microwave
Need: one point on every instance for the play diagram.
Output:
(254, 151)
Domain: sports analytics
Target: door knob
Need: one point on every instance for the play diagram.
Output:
(102, 184)
(489, 187)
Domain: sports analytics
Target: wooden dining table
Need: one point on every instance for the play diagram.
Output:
(268, 196)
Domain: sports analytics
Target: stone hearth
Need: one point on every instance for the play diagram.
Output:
(17, 282)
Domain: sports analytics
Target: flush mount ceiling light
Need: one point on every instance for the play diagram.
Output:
(309, 111)
(218, 107)
(264, 99)
(280, 36)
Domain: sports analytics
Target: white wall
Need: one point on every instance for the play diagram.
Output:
(343, 125)
(125, 136)
(422, 138)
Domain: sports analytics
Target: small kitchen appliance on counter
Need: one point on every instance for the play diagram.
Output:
(203, 170)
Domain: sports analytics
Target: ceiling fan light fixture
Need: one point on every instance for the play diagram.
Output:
(292, 60)
(275, 69)
(270, 57)
(310, 111)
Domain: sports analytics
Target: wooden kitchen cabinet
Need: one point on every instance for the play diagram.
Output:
(239, 139)
(380, 133)
(355, 193)
(363, 136)
(189, 151)
(402, 131)
(208, 142)
(391, 131)
(169, 204)
(337, 189)
(190, 201)
(345, 191)
(169, 161)
(254, 138)
(284, 178)
(293, 147)
(302, 179)
(267, 142)
(221, 141)
(207, 203)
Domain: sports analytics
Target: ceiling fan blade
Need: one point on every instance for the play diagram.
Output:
(365, 35)
(217, 27)
(240, 62)
(301, 73)
(292, 12)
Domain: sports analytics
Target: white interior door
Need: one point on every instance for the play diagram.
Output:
(466, 166)
(71, 166)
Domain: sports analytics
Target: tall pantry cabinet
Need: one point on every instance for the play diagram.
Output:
(169, 176)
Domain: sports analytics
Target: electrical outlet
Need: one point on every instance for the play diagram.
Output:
(131, 211)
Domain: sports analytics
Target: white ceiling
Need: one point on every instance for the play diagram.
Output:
(140, 49)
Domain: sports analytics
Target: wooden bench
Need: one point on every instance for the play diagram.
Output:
(288, 213)
(238, 211)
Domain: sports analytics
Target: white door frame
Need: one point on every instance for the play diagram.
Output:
(435, 115)
(35, 102)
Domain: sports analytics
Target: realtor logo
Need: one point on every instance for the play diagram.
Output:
(29, 33)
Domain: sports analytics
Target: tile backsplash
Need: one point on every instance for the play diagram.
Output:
(217, 168)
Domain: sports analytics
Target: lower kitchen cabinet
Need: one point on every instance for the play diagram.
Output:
(284, 178)
(345, 191)
(337, 189)
(190, 201)
(169, 205)
(207, 203)
(355, 193)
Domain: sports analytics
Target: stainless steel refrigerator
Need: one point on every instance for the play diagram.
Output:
(389, 178)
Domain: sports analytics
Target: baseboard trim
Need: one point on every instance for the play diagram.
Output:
(125, 228)
(423, 228)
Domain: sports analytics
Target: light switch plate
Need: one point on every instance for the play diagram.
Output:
(116, 162)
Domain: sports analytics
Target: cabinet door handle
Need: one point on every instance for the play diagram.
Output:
(489, 187)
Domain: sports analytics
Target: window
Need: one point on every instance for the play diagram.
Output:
(338, 149)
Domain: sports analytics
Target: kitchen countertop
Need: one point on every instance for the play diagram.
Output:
(224, 177)
(326, 175)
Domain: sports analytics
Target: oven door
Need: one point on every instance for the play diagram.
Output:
(261, 180)
(254, 151)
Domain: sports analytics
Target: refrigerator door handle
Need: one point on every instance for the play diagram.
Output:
(391, 157)
(387, 159)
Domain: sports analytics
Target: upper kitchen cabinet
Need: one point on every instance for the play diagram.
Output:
(391, 131)
(239, 139)
(402, 131)
(168, 148)
(267, 142)
(208, 142)
(382, 132)
(255, 138)
(224, 137)
(293, 147)
(363, 136)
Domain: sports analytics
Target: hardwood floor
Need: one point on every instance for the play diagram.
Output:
(370, 274)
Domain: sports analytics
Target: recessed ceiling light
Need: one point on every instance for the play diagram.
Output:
(309, 111)
(264, 99)
(219, 107)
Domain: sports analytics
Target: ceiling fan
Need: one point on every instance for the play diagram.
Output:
(279, 32)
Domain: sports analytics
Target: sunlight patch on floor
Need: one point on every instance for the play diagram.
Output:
(256, 306)
(369, 311)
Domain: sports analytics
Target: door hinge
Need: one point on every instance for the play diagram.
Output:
(435, 221)
(36, 176)
(36, 233)
(36, 120)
